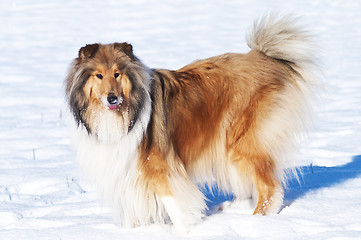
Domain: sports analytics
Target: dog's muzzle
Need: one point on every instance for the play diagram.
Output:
(113, 101)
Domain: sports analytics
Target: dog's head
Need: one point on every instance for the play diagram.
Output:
(106, 89)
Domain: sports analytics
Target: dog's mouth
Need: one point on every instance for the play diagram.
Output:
(112, 102)
(112, 107)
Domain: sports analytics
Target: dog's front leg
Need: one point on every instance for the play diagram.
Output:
(176, 215)
(177, 195)
(185, 205)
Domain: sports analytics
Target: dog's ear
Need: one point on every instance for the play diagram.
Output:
(126, 48)
(88, 51)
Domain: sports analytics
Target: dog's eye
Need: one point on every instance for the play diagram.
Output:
(99, 76)
(116, 75)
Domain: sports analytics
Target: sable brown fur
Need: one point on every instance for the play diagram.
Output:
(148, 136)
(231, 93)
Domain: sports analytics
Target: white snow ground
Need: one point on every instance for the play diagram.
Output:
(42, 194)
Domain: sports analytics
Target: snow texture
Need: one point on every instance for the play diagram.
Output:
(42, 193)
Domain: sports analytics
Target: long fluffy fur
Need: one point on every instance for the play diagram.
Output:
(232, 119)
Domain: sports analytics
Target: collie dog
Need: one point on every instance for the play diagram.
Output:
(147, 137)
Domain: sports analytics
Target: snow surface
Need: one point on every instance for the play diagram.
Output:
(43, 195)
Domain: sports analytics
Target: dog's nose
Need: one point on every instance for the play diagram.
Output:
(112, 99)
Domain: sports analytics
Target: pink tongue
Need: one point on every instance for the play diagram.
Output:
(112, 107)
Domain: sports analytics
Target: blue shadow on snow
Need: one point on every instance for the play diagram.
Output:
(315, 177)
(311, 178)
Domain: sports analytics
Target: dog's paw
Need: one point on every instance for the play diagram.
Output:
(241, 206)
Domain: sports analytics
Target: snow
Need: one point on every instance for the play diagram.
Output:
(42, 193)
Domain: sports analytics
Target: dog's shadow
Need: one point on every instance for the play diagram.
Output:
(315, 177)
(310, 178)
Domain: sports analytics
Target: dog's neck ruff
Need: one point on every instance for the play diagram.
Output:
(113, 167)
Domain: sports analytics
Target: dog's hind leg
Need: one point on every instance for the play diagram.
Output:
(269, 190)
(254, 163)
(259, 169)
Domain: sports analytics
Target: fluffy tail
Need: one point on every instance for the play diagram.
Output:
(283, 38)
